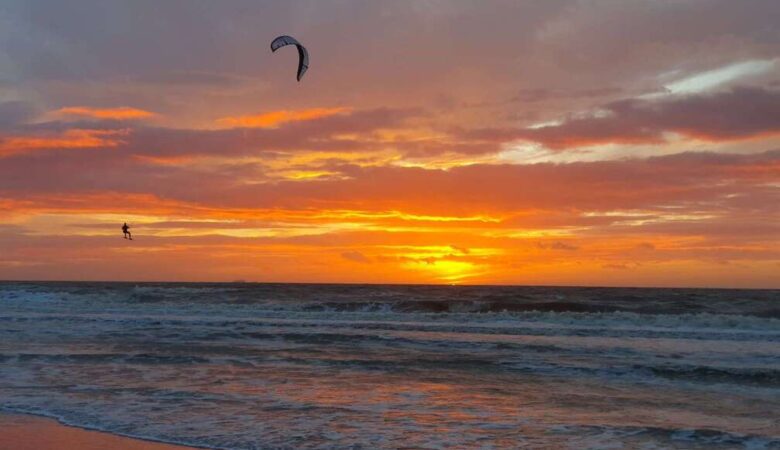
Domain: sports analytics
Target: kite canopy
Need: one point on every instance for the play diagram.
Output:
(303, 55)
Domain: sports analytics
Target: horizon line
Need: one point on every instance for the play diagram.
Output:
(333, 283)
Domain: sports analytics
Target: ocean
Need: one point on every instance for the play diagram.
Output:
(255, 366)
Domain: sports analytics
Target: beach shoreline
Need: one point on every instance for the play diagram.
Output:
(31, 432)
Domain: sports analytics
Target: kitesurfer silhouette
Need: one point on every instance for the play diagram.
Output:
(126, 231)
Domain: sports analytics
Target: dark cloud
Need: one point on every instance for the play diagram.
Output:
(355, 257)
(739, 113)
(462, 250)
(557, 245)
(616, 266)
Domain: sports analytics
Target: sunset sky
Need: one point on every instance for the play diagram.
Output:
(431, 141)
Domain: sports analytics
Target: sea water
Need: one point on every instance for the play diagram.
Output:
(244, 366)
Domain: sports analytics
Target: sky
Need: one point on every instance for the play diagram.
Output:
(560, 142)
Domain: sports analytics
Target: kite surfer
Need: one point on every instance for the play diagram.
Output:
(126, 231)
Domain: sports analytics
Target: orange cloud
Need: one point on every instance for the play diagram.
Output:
(121, 113)
(75, 138)
(275, 118)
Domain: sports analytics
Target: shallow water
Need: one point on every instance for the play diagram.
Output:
(328, 366)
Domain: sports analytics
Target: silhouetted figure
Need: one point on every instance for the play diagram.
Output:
(126, 231)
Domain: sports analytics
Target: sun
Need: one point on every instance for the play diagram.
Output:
(447, 271)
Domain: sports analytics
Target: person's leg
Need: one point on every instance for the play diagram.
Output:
(130, 236)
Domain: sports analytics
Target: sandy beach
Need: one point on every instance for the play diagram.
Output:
(23, 432)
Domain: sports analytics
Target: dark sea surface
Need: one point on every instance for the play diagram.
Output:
(245, 366)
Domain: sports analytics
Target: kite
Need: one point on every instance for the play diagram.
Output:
(303, 55)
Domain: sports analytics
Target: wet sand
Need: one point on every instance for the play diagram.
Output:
(23, 432)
